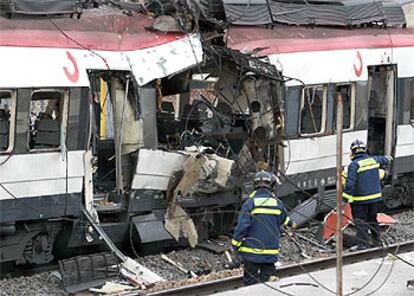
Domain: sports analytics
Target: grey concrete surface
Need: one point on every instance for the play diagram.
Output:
(390, 280)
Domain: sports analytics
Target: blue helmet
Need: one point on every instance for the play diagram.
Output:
(263, 179)
(358, 146)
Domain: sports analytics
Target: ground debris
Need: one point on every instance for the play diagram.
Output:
(111, 287)
(207, 265)
(204, 278)
(198, 260)
(42, 284)
(403, 230)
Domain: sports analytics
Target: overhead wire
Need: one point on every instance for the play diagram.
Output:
(301, 190)
(79, 43)
(319, 222)
(106, 63)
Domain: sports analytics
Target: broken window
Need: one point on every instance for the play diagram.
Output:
(312, 110)
(348, 95)
(7, 111)
(47, 111)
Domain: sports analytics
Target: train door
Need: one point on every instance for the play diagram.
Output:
(117, 133)
(381, 109)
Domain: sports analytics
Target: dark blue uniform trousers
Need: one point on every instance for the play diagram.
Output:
(365, 217)
(257, 272)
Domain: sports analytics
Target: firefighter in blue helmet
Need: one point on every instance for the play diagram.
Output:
(363, 191)
(257, 233)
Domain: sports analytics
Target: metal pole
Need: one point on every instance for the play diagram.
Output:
(339, 123)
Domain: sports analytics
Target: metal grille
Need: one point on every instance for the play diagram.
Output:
(33, 7)
(315, 12)
(313, 206)
(254, 12)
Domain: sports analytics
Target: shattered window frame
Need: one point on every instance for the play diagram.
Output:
(62, 122)
(323, 113)
(12, 119)
(351, 107)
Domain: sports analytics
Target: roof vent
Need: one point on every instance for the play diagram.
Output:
(41, 7)
(314, 12)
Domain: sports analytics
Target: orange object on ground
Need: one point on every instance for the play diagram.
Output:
(384, 219)
(329, 223)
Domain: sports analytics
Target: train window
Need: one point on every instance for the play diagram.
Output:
(348, 97)
(7, 113)
(312, 110)
(47, 119)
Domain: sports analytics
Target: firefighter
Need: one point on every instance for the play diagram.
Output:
(257, 234)
(363, 191)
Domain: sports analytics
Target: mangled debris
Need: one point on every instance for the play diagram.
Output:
(168, 150)
(212, 128)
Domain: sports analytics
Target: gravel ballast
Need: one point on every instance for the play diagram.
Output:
(207, 265)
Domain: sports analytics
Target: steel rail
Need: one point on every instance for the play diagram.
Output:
(230, 283)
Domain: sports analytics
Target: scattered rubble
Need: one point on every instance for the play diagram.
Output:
(205, 264)
(199, 261)
(209, 277)
(403, 230)
(301, 246)
(42, 284)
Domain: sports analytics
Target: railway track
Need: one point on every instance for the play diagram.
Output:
(230, 283)
(222, 279)
(27, 271)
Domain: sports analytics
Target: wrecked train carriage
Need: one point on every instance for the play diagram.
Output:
(81, 116)
(374, 69)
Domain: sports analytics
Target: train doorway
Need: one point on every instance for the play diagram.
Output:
(381, 109)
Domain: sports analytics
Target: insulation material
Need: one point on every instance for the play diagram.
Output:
(204, 174)
(194, 167)
(132, 133)
(178, 222)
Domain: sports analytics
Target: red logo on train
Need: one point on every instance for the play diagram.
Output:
(358, 69)
(72, 76)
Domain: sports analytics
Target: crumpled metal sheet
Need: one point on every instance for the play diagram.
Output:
(155, 168)
(201, 173)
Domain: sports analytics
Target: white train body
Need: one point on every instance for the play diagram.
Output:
(374, 65)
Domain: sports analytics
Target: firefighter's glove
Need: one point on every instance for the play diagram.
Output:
(293, 227)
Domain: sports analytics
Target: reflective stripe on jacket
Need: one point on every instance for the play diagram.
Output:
(381, 174)
(257, 233)
(363, 179)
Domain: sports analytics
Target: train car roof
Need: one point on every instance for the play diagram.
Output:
(286, 39)
(97, 29)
